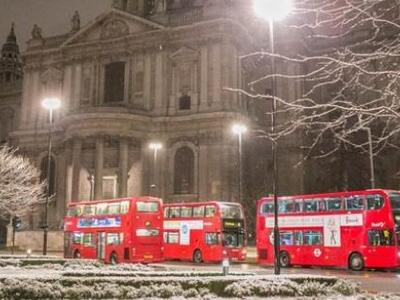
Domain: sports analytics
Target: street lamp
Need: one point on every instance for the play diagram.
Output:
(50, 104)
(239, 129)
(273, 10)
(155, 146)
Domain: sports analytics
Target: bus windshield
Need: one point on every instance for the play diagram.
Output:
(229, 211)
(395, 201)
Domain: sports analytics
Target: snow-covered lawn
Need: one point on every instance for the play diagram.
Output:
(83, 279)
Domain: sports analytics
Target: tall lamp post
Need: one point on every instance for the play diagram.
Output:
(50, 104)
(155, 146)
(273, 10)
(239, 129)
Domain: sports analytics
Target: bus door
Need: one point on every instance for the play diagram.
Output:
(68, 236)
(313, 250)
(101, 245)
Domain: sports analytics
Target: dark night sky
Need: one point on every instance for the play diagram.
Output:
(53, 16)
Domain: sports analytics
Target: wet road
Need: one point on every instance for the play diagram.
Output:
(371, 280)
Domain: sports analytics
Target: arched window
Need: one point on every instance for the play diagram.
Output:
(183, 171)
(43, 173)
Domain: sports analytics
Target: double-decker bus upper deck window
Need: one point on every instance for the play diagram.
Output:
(114, 208)
(175, 212)
(395, 201)
(198, 211)
(333, 203)
(298, 205)
(321, 205)
(285, 206)
(229, 211)
(101, 209)
(186, 212)
(380, 237)
(166, 212)
(310, 204)
(89, 210)
(146, 206)
(210, 211)
(354, 203)
(374, 202)
(267, 208)
(124, 207)
(72, 212)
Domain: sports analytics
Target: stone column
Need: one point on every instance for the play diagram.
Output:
(76, 167)
(98, 171)
(123, 167)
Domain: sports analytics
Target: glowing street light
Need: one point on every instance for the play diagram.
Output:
(239, 129)
(273, 10)
(50, 104)
(155, 146)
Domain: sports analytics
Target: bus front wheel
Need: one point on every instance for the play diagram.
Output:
(113, 258)
(284, 259)
(356, 262)
(197, 256)
(77, 254)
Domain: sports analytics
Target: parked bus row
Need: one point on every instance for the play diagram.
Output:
(142, 229)
(359, 229)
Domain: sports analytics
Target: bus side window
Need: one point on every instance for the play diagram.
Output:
(312, 238)
(267, 208)
(321, 205)
(174, 212)
(198, 211)
(354, 203)
(210, 211)
(166, 212)
(171, 237)
(286, 238)
(374, 202)
(211, 238)
(186, 212)
(334, 203)
(310, 205)
(380, 237)
(298, 238)
(298, 205)
(285, 206)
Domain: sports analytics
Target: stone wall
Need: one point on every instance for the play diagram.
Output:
(33, 239)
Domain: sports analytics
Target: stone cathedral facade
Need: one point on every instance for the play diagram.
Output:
(142, 72)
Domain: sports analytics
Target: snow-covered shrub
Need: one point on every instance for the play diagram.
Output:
(345, 287)
(312, 288)
(29, 289)
(266, 288)
(190, 293)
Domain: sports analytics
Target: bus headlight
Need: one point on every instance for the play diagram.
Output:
(224, 252)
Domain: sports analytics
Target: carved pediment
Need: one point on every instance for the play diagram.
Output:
(113, 24)
(185, 54)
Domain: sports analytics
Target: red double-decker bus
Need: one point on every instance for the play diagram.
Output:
(357, 229)
(204, 231)
(118, 230)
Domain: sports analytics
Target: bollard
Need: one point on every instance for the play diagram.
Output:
(28, 253)
(225, 266)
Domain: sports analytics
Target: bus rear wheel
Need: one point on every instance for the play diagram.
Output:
(77, 254)
(197, 256)
(113, 258)
(284, 259)
(356, 262)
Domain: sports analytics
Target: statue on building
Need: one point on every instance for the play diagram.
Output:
(76, 22)
(36, 32)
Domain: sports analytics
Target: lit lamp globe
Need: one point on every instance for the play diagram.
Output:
(155, 146)
(51, 103)
(239, 129)
(272, 10)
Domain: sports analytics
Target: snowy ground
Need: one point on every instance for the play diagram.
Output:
(55, 278)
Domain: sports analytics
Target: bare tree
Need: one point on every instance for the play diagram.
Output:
(20, 189)
(349, 73)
